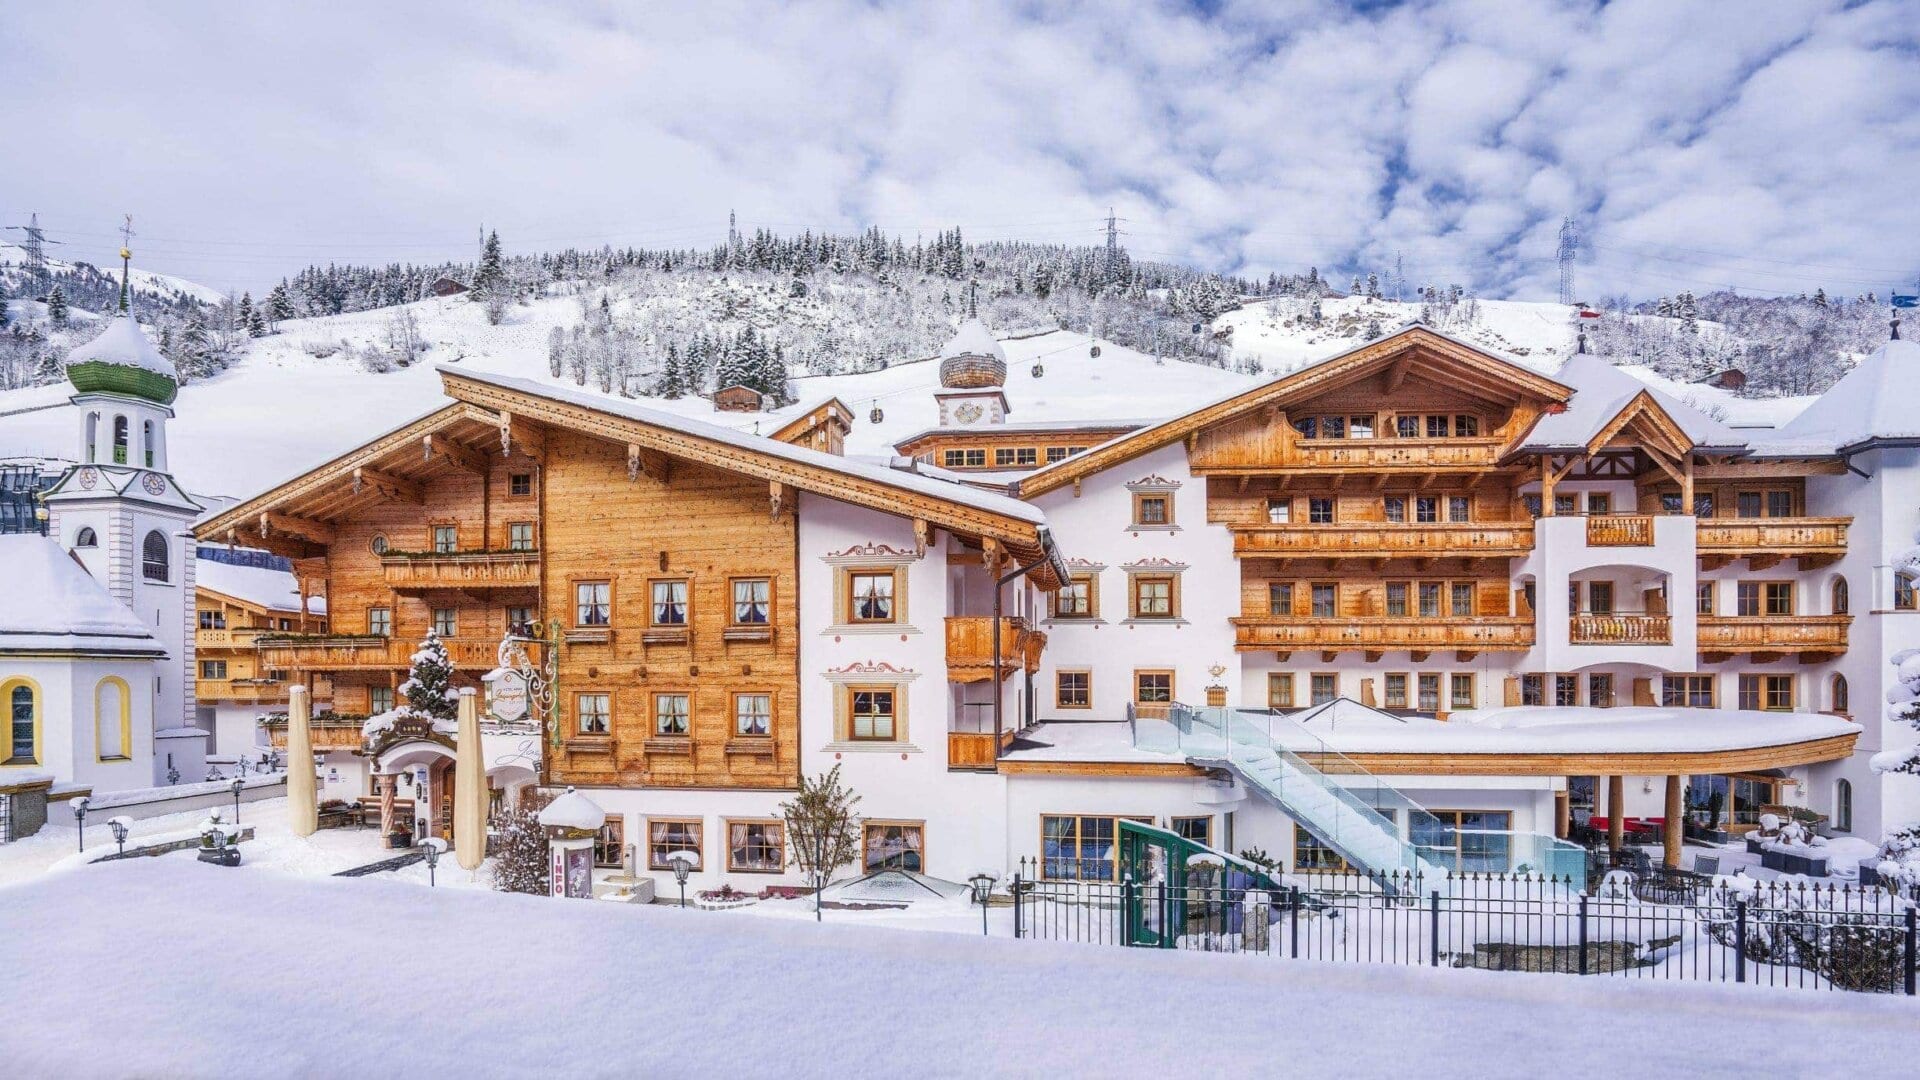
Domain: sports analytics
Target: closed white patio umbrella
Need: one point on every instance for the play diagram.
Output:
(470, 786)
(303, 802)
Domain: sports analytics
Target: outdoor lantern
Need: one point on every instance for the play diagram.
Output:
(682, 869)
(80, 819)
(237, 787)
(119, 826)
(982, 892)
(432, 849)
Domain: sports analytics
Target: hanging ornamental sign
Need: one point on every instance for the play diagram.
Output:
(522, 688)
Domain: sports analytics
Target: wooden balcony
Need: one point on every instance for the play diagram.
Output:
(970, 647)
(328, 732)
(1378, 633)
(1775, 634)
(1765, 541)
(1513, 539)
(367, 653)
(1621, 630)
(241, 691)
(1273, 449)
(972, 749)
(467, 571)
(1620, 530)
(237, 638)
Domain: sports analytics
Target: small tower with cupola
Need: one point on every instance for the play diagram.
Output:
(973, 370)
(124, 517)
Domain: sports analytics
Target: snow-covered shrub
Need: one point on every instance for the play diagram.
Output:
(320, 349)
(520, 866)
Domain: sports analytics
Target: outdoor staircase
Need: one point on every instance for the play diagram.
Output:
(1271, 755)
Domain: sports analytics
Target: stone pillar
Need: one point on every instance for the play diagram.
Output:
(1616, 811)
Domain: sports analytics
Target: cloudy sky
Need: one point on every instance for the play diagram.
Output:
(1771, 145)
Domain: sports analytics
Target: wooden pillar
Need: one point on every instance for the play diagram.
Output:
(1674, 825)
(1546, 485)
(1616, 808)
(1562, 814)
(1686, 485)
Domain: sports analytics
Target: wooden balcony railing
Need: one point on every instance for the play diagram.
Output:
(1229, 451)
(1484, 538)
(970, 750)
(1772, 633)
(241, 637)
(970, 647)
(462, 570)
(1787, 537)
(244, 691)
(1377, 632)
(1621, 630)
(1620, 530)
(351, 652)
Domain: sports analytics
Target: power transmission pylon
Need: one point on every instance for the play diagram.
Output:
(35, 245)
(1569, 247)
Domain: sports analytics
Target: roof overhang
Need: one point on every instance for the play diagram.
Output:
(1400, 346)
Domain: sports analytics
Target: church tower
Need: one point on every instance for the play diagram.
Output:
(973, 370)
(123, 516)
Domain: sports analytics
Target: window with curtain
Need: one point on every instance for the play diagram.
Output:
(666, 837)
(669, 603)
(756, 847)
(592, 603)
(893, 846)
(752, 601)
(752, 715)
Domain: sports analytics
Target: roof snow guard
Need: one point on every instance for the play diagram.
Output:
(123, 361)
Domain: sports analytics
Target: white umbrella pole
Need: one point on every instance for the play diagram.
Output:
(303, 802)
(470, 786)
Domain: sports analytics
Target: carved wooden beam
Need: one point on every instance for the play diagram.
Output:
(1464, 655)
(923, 533)
(1764, 562)
(459, 455)
(306, 529)
(779, 499)
(1419, 656)
(398, 488)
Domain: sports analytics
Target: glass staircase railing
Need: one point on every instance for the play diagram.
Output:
(1350, 810)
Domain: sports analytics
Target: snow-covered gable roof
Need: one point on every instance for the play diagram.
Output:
(52, 603)
(1600, 391)
(1874, 402)
(274, 590)
(911, 481)
(973, 339)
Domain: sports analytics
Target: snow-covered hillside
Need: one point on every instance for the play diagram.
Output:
(299, 397)
(14, 261)
(283, 409)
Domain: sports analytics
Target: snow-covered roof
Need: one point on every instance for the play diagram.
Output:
(123, 342)
(1874, 401)
(573, 810)
(1601, 391)
(274, 590)
(910, 481)
(50, 602)
(973, 339)
(1527, 729)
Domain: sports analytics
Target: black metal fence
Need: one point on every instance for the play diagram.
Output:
(1660, 925)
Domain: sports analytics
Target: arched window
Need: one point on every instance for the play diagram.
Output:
(146, 441)
(119, 440)
(112, 719)
(86, 538)
(153, 557)
(93, 438)
(1843, 805)
(1838, 694)
(1839, 596)
(23, 727)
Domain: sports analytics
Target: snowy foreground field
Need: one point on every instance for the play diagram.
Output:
(166, 967)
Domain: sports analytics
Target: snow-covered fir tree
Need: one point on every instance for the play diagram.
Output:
(57, 306)
(429, 685)
(520, 863)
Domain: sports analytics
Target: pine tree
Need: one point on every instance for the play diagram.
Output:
(57, 307)
(672, 382)
(520, 865)
(492, 271)
(5, 316)
(556, 351)
(244, 313)
(280, 304)
(257, 323)
(429, 686)
(821, 826)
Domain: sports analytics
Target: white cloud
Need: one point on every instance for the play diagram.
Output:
(1698, 146)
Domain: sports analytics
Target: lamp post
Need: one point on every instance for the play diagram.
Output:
(119, 826)
(682, 868)
(432, 848)
(982, 891)
(237, 787)
(80, 819)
